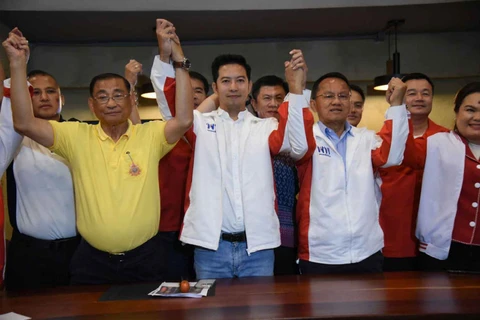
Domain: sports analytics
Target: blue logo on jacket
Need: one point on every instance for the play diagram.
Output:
(323, 151)
(211, 127)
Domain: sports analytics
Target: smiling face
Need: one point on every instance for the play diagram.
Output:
(46, 98)
(232, 87)
(332, 101)
(268, 100)
(116, 110)
(468, 118)
(419, 98)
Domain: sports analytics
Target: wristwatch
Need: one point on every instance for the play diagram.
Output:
(184, 64)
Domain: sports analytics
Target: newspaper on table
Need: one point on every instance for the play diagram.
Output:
(201, 288)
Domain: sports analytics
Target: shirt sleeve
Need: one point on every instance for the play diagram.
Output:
(295, 129)
(64, 136)
(10, 140)
(159, 140)
(388, 147)
(163, 81)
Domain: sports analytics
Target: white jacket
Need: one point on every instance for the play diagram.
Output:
(441, 187)
(203, 218)
(337, 209)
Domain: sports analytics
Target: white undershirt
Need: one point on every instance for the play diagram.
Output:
(475, 149)
(233, 220)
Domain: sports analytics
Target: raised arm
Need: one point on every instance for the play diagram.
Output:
(209, 104)
(132, 69)
(16, 47)
(183, 118)
(389, 146)
(295, 115)
(10, 140)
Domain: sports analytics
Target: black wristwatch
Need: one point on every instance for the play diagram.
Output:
(184, 64)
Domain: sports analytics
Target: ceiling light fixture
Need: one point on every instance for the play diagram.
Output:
(147, 91)
(393, 66)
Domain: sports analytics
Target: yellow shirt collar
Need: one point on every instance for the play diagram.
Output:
(103, 136)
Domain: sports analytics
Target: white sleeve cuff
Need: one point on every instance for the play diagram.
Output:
(163, 68)
(396, 112)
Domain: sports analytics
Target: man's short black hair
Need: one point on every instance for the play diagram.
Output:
(107, 76)
(201, 78)
(356, 88)
(37, 72)
(418, 76)
(336, 75)
(268, 81)
(225, 59)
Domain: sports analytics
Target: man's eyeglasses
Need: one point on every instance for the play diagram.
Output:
(331, 96)
(118, 98)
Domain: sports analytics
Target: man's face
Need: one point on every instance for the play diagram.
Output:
(232, 86)
(356, 103)
(199, 93)
(268, 100)
(419, 97)
(46, 99)
(332, 101)
(116, 110)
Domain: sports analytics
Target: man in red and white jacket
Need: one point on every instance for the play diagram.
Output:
(173, 167)
(401, 185)
(337, 211)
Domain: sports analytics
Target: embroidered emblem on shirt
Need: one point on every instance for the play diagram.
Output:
(211, 127)
(323, 151)
(134, 169)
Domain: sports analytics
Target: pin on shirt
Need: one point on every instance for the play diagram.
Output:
(134, 169)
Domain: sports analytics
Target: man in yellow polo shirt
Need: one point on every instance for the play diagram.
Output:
(114, 167)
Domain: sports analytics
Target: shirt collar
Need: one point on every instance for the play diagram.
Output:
(224, 115)
(103, 136)
(329, 132)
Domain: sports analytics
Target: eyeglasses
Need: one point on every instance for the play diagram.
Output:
(331, 96)
(118, 98)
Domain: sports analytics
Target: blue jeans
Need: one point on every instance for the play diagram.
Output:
(231, 260)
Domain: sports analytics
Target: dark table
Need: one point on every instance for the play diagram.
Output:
(407, 295)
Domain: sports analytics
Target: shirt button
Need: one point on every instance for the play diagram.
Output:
(474, 204)
(478, 166)
(477, 185)
(472, 224)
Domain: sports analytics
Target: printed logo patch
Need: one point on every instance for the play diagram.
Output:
(212, 127)
(323, 151)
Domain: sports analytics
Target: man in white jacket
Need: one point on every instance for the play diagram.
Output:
(337, 211)
(230, 207)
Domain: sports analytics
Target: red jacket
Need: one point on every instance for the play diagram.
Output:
(401, 186)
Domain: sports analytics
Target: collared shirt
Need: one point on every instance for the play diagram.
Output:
(475, 148)
(41, 195)
(340, 143)
(116, 183)
(232, 194)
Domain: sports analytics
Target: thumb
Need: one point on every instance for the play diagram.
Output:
(286, 63)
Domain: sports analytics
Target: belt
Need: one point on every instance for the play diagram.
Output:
(234, 237)
(45, 244)
(151, 243)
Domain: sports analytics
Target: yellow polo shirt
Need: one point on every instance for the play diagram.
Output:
(116, 183)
